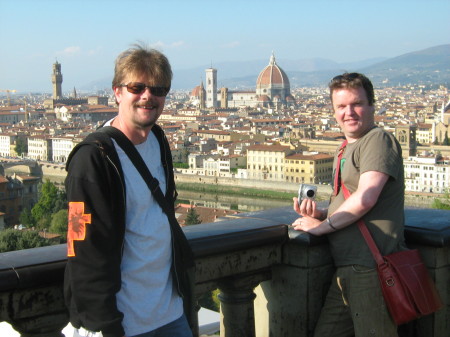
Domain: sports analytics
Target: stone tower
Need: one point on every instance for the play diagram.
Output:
(224, 98)
(406, 136)
(57, 79)
(202, 96)
(211, 88)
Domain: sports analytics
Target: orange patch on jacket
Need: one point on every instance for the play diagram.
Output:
(77, 225)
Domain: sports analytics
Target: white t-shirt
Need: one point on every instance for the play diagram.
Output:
(147, 298)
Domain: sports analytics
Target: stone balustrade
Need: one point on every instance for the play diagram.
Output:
(272, 279)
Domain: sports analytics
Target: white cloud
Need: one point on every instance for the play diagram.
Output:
(161, 45)
(158, 45)
(232, 44)
(94, 51)
(177, 44)
(69, 51)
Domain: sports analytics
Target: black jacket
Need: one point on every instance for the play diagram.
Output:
(95, 183)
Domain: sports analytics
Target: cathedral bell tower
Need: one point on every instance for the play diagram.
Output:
(211, 88)
(57, 80)
(406, 136)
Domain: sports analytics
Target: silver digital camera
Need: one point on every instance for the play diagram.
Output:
(306, 191)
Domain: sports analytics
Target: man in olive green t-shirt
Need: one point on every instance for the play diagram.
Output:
(372, 170)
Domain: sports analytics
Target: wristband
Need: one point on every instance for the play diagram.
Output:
(329, 222)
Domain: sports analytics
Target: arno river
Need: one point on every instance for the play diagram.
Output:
(252, 204)
(234, 202)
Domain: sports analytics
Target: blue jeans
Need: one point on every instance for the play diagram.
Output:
(177, 328)
(355, 306)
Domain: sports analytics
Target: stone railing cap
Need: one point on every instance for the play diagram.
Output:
(427, 226)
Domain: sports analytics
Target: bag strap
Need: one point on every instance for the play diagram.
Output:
(135, 157)
(152, 183)
(338, 183)
(337, 171)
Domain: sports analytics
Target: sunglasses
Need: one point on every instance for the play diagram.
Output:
(138, 88)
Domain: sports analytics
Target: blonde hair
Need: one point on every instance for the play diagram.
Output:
(140, 60)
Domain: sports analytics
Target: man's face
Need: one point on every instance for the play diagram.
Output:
(353, 112)
(140, 110)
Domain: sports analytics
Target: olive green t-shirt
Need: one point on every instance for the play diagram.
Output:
(379, 151)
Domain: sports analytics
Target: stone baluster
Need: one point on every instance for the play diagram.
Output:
(237, 308)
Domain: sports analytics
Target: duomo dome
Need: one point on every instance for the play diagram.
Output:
(273, 83)
(272, 75)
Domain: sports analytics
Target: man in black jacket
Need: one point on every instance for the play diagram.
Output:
(126, 269)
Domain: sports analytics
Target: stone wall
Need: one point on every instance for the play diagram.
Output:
(248, 183)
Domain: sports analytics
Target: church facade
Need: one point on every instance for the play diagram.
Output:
(273, 90)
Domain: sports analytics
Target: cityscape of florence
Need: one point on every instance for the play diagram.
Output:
(246, 129)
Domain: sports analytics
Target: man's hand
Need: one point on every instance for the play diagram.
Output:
(309, 224)
(311, 216)
(308, 207)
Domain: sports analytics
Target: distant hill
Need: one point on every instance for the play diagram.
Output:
(428, 66)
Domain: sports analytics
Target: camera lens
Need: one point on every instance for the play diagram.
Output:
(310, 193)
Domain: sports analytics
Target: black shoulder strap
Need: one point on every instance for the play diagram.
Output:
(135, 157)
(153, 184)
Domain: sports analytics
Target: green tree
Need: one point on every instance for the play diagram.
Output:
(442, 204)
(435, 141)
(446, 141)
(192, 217)
(21, 146)
(12, 239)
(210, 300)
(61, 201)
(50, 198)
(58, 224)
(181, 165)
(26, 218)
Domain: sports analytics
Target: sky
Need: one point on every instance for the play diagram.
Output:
(86, 36)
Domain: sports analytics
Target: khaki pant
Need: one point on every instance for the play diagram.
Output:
(354, 306)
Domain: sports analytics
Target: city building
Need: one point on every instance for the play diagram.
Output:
(40, 148)
(89, 113)
(266, 162)
(62, 146)
(12, 114)
(427, 174)
(314, 168)
(16, 193)
(6, 140)
(424, 133)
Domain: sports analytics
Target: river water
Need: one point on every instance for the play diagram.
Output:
(232, 202)
(251, 204)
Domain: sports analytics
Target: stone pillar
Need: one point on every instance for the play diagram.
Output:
(289, 304)
(237, 312)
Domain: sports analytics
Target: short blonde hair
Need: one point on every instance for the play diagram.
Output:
(140, 60)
